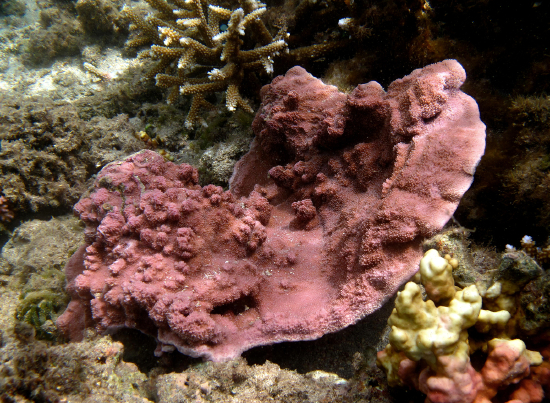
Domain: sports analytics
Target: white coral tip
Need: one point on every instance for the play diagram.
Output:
(215, 74)
(344, 23)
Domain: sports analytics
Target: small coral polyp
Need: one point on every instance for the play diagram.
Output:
(430, 346)
(188, 37)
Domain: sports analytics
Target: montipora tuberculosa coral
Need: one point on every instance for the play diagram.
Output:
(321, 225)
(187, 34)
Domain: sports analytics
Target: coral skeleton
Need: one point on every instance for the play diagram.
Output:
(195, 34)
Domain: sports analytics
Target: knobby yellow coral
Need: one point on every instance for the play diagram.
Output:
(430, 346)
(188, 35)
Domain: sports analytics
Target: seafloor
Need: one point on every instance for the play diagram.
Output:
(61, 122)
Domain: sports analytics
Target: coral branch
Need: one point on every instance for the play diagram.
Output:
(191, 37)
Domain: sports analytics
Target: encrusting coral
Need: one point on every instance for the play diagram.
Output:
(430, 346)
(321, 225)
(195, 34)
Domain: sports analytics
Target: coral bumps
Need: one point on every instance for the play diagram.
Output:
(430, 346)
(195, 34)
(323, 222)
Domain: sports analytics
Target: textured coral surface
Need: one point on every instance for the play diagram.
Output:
(430, 345)
(48, 153)
(347, 188)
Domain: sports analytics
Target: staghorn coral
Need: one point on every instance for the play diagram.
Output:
(194, 35)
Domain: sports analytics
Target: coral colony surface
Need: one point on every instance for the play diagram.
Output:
(292, 251)
(289, 201)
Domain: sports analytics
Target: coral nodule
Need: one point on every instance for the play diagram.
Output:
(430, 346)
(197, 34)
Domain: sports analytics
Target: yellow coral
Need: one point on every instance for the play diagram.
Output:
(423, 331)
(436, 277)
(437, 336)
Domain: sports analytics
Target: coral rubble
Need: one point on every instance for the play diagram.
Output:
(48, 153)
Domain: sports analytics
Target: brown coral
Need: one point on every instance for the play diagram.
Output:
(193, 35)
(5, 213)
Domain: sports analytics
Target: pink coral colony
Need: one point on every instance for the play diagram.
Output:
(323, 221)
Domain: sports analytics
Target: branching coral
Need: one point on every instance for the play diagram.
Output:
(528, 245)
(196, 34)
(430, 345)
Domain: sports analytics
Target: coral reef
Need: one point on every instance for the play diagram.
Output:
(40, 309)
(64, 29)
(507, 66)
(12, 7)
(31, 290)
(34, 258)
(97, 370)
(217, 162)
(502, 45)
(59, 35)
(38, 246)
(101, 18)
(48, 153)
(514, 172)
(190, 36)
(430, 345)
(88, 371)
(235, 382)
(213, 273)
(528, 245)
(512, 280)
